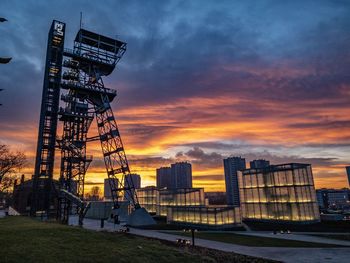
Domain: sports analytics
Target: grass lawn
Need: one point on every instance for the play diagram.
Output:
(252, 241)
(335, 236)
(26, 240)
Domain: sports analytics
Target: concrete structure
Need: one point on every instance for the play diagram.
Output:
(181, 174)
(164, 179)
(280, 193)
(333, 198)
(260, 163)
(348, 174)
(107, 189)
(231, 166)
(140, 217)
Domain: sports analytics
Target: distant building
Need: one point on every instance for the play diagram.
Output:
(260, 163)
(216, 198)
(131, 179)
(333, 198)
(164, 177)
(282, 193)
(231, 166)
(181, 174)
(107, 188)
(348, 173)
(321, 197)
(134, 179)
(22, 196)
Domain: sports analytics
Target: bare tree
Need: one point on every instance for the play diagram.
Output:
(10, 162)
(95, 191)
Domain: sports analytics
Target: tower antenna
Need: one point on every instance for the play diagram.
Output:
(81, 19)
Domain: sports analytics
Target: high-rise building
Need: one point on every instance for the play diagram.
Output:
(333, 198)
(164, 178)
(107, 189)
(133, 179)
(181, 174)
(260, 163)
(282, 192)
(348, 174)
(231, 166)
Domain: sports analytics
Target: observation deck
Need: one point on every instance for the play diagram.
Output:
(101, 52)
(90, 90)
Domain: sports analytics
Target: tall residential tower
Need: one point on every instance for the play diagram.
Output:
(181, 174)
(231, 166)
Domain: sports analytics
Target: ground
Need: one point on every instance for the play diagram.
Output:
(26, 240)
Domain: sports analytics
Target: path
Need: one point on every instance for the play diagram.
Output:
(288, 255)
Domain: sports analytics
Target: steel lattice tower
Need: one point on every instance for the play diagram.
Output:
(93, 57)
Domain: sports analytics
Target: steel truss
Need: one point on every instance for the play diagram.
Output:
(93, 56)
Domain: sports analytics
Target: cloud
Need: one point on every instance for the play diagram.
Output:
(199, 81)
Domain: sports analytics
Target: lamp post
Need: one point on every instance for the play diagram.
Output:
(192, 230)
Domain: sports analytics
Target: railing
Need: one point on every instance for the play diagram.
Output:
(92, 57)
(77, 85)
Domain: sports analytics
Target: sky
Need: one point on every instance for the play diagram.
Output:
(200, 81)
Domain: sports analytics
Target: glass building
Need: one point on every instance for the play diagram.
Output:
(283, 192)
(179, 197)
(215, 217)
(147, 198)
(157, 200)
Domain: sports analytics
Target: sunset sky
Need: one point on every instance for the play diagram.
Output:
(200, 81)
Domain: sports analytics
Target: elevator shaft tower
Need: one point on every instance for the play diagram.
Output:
(45, 155)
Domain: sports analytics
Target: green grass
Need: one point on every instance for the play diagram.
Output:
(345, 237)
(252, 241)
(26, 240)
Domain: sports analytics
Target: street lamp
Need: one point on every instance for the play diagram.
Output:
(192, 230)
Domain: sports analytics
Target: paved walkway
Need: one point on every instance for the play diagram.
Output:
(288, 255)
(299, 237)
(2, 213)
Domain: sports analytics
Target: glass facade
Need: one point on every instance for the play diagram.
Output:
(225, 216)
(278, 192)
(158, 200)
(179, 197)
(147, 197)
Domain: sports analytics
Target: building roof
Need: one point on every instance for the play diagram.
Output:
(95, 40)
(276, 167)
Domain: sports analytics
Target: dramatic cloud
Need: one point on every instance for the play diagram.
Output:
(200, 81)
